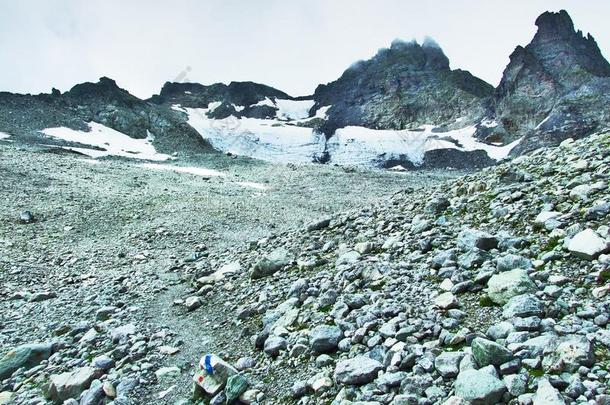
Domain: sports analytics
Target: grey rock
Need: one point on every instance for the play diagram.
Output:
(546, 394)
(471, 238)
(523, 306)
(357, 371)
(70, 384)
(26, 356)
(270, 264)
(274, 345)
(487, 352)
(503, 286)
(448, 364)
(325, 338)
(588, 245)
(479, 387)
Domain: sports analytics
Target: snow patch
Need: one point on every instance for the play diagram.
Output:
(543, 121)
(4, 135)
(187, 92)
(364, 146)
(249, 184)
(213, 105)
(111, 142)
(322, 112)
(293, 109)
(238, 108)
(198, 171)
(267, 101)
(487, 123)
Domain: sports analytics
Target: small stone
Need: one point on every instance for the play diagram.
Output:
(275, 344)
(270, 264)
(448, 363)
(26, 217)
(192, 303)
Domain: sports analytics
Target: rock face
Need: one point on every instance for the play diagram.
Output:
(553, 88)
(405, 86)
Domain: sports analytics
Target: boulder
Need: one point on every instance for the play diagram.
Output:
(71, 384)
(522, 306)
(472, 238)
(448, 364)
(325, 338)
(26, 356)
(271, 263)
(357, 371)
(546, 394)
(588, 245)
(503, 286)
(479, 387)
(486, 352)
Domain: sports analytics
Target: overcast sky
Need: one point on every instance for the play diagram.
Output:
(289, 44)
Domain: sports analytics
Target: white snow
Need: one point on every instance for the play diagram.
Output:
(278, 141)
(187, 92)
(112, 142)
(322, 112)
(4, 135)
(293, 110)
(489, 123)
(269, 140)
(213, 105)
(363, 146)
(267, 101)
(543, 121)
(238, 108)
(198, 171)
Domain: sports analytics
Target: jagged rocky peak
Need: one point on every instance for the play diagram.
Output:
(561, 48)
(195, 95)
(553, 88)
(404, 86)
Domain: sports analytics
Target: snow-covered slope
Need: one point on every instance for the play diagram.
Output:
(278, 141)
(107, 142)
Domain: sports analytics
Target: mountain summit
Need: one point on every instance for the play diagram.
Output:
(554, 88)
(404, 86)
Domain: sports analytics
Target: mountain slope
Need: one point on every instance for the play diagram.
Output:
(557, 86)
(104, 103)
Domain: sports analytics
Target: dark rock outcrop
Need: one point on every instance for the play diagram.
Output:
(556, 87)
(402, 87)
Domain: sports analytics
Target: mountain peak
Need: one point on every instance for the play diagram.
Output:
(555, 25)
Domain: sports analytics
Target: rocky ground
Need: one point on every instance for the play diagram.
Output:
(491, 288)
(97, 259)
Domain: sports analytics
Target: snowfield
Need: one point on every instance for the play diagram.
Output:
(278, 141)
(110, 141)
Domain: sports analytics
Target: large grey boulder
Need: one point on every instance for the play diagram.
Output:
(357, 371)
(503, 286)
(546, 394)
(271, 263)
(479, 387)
(523, 306)
(486, 352)
(325, 338)
(588, 245)
(26, 356)
(571, 352)
(71, 384)
(472, 238)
